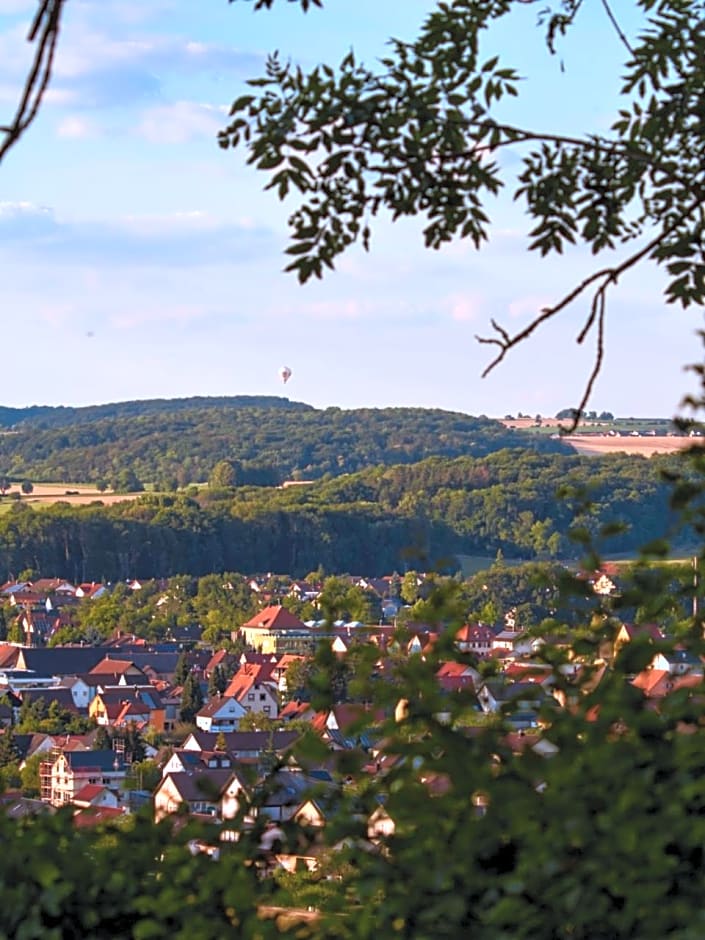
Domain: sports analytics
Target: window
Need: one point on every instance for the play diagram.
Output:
(250, 696)
(263, 696)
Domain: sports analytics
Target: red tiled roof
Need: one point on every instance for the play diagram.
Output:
(475, 631)
(89, 792)
(276, 618)
(96, 816)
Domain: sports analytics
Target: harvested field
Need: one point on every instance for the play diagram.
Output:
(44, 494)
(596, 445)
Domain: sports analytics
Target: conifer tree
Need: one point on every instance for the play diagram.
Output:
(191, 699)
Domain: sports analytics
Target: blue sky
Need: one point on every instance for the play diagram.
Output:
(140, 260)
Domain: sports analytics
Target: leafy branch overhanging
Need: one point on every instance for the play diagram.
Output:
(421, 136)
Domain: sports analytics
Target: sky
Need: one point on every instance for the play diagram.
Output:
(139, 260)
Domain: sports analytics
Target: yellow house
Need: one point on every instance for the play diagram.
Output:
(276, 630)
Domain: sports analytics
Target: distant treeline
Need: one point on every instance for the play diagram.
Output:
(170, 444)
(381, 519)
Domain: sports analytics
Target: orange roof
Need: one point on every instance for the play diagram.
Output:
(294, 709)
(656, 683)
(287, 658)
(276, 618)
(112, 666)
(453, 669)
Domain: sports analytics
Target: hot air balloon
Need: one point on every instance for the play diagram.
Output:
(285, 374)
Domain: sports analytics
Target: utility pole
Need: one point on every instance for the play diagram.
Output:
(696, 582)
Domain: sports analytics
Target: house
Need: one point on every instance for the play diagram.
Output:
(15, 587)
(65, 776)
(254, 692)
(55, 586)
(95, 794)
(182, 761)
(115, 668)
(222, 659)
(279, 671)
(15, 806)
(59, 660)
(627, 632)
(91, 590)
(296, 711)
(309, 814)
(82, 691)
(477, 638)
(520, 701)
(658, 683)
(221, 714)
(304, 591)
(457, 677)
(288, 794)
(348, 726)
(678, 662)
(38, 626)
(513, 643)
(140, 706)
(91, 816)
(26, 745)
(380, 825)
(243, 744)
(216, 793)
(276, 630)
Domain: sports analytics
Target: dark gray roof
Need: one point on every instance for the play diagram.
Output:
(103, 760)
(63, 660)
(201, 785)
(61, 695)
(291, 787)
(27, 744)
(237, 742)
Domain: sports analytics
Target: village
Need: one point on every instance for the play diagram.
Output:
(180, 729)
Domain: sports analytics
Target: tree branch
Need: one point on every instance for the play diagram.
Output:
(606, 276)
(45, 32)
(613, 20)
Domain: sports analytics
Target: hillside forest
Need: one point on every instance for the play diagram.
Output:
(380, 490)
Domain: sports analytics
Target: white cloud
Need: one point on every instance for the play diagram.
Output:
(29, 232)
(75, 127)
(179, 122)
(155, 313)
(465, 308)
(525, 307)
(114, 63)
(16, 6)
(21, 207)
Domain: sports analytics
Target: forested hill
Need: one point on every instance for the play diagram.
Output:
(51, 416)
(173, 443)
(374, 521)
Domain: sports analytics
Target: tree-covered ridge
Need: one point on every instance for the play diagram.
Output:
(174, 443)
(45, 416)
(379, 519)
